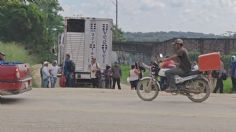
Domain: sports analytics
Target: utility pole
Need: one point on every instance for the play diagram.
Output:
(116, 13)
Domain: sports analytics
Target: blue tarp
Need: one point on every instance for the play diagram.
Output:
(10, 62)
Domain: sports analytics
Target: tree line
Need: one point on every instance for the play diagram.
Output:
(33, 23)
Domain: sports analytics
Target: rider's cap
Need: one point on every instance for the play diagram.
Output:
(179, 41)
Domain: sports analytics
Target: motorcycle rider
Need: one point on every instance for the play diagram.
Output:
(183, 64)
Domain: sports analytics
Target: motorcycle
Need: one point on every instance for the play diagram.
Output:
(194, 85)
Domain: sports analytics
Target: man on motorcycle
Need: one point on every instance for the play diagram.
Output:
(183, 64)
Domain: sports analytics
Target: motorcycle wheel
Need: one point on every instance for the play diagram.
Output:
(145, 91)
(202, 89)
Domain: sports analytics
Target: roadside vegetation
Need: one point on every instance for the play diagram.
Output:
(227, 85)
(34, 24)
(17, 52)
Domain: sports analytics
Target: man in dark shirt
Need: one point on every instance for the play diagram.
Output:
(116, 75)
(183, 65)
(68, 71)
(233, 73)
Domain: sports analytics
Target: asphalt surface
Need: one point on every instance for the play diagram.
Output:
(100, 110)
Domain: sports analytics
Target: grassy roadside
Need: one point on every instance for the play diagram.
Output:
(16, 52)
(227, 85)
(125, 72)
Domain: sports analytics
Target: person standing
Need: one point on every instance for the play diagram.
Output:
(219, 82)
(68, 70)
(139, 66)
(134, 77)
(46, 74)
(233, 73)
(53, 71)
(41, 73)
(108, 76)
(116, 74)
(94, 69)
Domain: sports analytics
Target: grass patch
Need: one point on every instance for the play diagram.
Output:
(16, 52)
(228, 85)
(125, 72)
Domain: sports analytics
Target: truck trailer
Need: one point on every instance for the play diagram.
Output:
(84, 39)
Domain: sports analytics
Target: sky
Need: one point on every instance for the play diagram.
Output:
(204, 16)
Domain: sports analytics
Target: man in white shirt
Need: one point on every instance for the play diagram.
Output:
(46, 74)
(94, 68)
(53, 71)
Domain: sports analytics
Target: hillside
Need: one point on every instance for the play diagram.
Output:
(162, 36)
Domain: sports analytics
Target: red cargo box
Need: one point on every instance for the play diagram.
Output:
(209, 62)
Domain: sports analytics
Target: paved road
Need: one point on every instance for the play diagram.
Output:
(99, 110)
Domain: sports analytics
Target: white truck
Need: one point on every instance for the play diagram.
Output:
(83, 39)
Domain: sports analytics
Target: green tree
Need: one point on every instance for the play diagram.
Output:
(54, 21)
(33, 23)
(51, 8)
(118, 35)
(20, 23)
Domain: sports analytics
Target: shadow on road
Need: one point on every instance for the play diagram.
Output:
(9, 101)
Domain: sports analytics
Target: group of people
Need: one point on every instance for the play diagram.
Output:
(112, 74)
(49, 74)
(179, 64)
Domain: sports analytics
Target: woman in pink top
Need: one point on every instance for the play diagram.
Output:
(133, 77)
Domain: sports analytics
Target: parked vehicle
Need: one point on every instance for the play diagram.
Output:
(83, 39)
(194, 85)
(14, 78)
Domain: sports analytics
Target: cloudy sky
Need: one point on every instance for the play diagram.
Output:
(206, 16)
